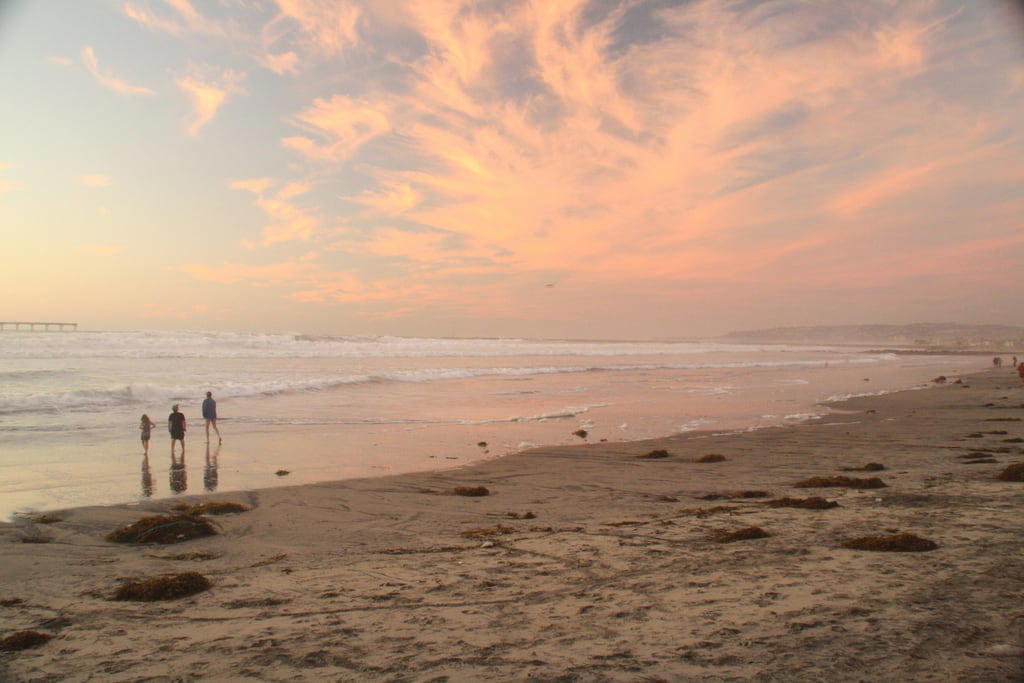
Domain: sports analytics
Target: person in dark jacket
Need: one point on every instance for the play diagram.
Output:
(176, 426)
(210, 415)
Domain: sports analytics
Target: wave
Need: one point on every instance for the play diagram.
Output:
(155, 344)
(564, 414)
(142, 394)
(18, 375)
(839, 398)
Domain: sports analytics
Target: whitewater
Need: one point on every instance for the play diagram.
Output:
(328, 408)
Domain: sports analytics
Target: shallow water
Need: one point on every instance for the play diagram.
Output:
(334, 408)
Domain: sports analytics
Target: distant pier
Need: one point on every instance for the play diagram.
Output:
(37, 327)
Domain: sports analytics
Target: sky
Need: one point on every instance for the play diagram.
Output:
(554, 168)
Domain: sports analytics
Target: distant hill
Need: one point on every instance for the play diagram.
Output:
(917, 335)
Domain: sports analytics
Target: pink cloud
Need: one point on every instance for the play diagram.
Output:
(345, 124)
(107, 79)
(207, 95)
(734, 147)
(290, 222)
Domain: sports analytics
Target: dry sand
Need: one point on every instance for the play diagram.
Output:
(614, 578)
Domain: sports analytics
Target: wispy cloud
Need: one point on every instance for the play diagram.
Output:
(283, 63)
(207, 95)
(640, 146)
(344, 124)
(289, 221)
(63, 62)
(326, 27)
(177, 18)
(107, 79)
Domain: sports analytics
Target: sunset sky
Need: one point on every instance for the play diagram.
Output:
(583, 168)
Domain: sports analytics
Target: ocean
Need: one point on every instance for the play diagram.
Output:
(328, 408)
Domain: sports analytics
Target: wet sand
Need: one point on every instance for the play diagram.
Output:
(613, 578)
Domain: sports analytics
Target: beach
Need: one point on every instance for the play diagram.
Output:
(584, 562)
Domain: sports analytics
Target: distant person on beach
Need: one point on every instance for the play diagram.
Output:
(1020, 371)
(146, 426)
(176, 426)
(210, 415)
(1015, 361)
(997, 361)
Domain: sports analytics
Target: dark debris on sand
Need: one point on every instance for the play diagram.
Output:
(734, 494)
(656, 453)
(470, 491)
(711, 457)
(899, 543)
(744, 534)
(163, 529)
(847, 482)
(23, 640)
(46, 518)
(707, 512)
(582, 433)
(169, 587)
(870, 467)
(211, 508)
(813, 503)
(1014, 472)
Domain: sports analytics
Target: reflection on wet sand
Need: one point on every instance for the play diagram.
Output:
(178, 478)
(210, 471)
(147, 478)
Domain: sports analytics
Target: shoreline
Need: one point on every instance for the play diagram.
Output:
(612, 578)
(330, 451)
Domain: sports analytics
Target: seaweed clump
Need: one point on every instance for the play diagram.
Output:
(847, 482)
(525, 515)
(582, 433)
(163, 529)
(169, 587)
(870, 467)
(744, 534)
(899, 543)
(711, 457)
(471, 491)
(47, 518)
(656, 453)
(211, 508)
(813, 503)
(701, 513)
(23, 640)
(1014, 472)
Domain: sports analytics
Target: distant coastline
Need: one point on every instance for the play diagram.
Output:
(911, 339)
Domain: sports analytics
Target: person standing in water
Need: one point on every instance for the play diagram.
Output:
(210, 415)
(176, 426)
(146, 426)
